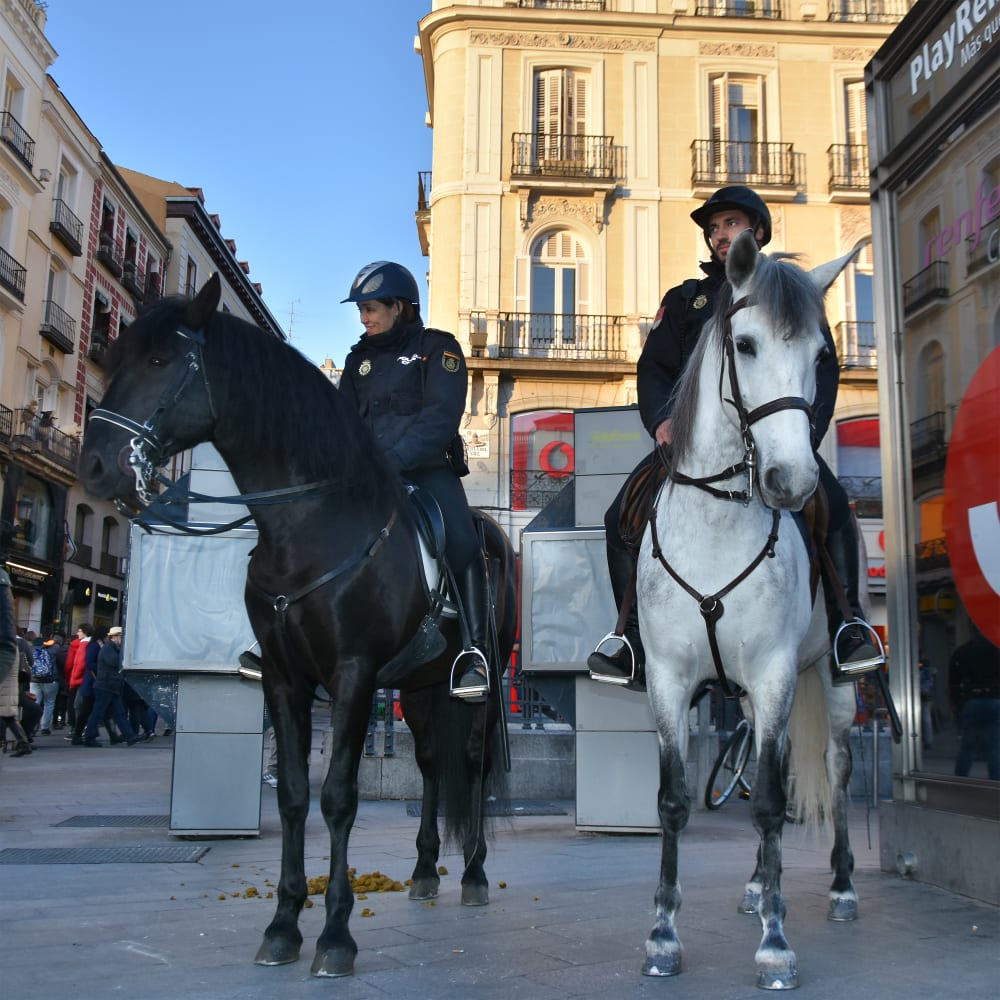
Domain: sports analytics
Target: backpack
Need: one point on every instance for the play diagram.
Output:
(41, 665)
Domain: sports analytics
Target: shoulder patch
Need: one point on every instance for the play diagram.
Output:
(450, 362)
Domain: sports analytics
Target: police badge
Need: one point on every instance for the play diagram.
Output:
(365, 367)
(449, 362)
(699, 303)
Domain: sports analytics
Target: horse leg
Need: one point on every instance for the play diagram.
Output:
(336, 949)
(776, 968)
(663, 947)
(750, 903)
(843, 896)
(290, 712)
(417, 709)
(475, 885)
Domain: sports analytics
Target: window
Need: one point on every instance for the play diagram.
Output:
(191, 278)
(931, 372)
(542, 457)
(81, 534)
(859, 464)
(561, 105)
(32, 522)
(738, 124)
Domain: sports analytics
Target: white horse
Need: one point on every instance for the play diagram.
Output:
(742, 418)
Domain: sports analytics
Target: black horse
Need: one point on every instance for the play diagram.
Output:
(334, 586)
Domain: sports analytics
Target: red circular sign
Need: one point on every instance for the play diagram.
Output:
(549, 452)
(972, 498)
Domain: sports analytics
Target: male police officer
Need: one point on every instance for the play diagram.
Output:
(683, 312)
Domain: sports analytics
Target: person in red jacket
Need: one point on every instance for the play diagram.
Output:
(74, 667)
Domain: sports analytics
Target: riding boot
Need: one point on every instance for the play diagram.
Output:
(626, 666)
(471, 665)
(855, 644)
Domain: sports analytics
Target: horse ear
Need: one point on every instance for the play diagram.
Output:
(202, 307)
(824, 275)
(742, 259)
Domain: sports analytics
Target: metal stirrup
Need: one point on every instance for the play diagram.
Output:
(470, 690)
(612, 678)
(858, 666)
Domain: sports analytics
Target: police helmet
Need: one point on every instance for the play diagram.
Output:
(384, 279)
(735, 196)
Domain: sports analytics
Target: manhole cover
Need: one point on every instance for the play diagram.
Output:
(170, 854)
(132, 821)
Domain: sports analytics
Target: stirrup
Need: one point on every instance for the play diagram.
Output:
(858, 666)
(618, 681)
(479, 666)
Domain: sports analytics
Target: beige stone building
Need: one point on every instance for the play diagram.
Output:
(572, 139)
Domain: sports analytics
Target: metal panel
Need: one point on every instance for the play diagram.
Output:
(617, 777)
(168, 855)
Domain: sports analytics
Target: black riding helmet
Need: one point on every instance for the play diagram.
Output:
(735, 196)
(384, 279)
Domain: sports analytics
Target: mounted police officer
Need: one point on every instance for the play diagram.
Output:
(409, 384)
(683, 312)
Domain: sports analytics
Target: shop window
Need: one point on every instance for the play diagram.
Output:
(32, 533)
(542, 457)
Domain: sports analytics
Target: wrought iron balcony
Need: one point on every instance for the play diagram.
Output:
(12, 275)
(868, 11)
(98, 345)
(133, 278)
(567, 4)
(932, 554)
(928, 285)
(423, 190)
(6, 422)
(109, 253)
(532, 488)
(34, 431)
(927, 441)
(739, 8)
(66, 227)
(983, 253)
(20, 143)
(855, 340)
(848, 167)
(154, 287)
(562, 336)
(733, 162)
(560, 157)
(865, 492)
(58, 327)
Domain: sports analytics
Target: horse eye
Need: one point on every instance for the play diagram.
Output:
(745, 346)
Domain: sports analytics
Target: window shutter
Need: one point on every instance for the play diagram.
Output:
(856, 113)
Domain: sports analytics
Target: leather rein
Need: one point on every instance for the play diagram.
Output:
(710, 605)
(148, 452)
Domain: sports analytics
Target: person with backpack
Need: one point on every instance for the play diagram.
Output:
(44, 682)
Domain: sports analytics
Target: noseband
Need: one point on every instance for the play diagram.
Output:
(147, 450)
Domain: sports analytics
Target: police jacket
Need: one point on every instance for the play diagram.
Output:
(683, 313)
(409, 386)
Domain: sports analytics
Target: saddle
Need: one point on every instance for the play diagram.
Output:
(637, 501)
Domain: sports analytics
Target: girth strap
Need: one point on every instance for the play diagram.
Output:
(710, 605)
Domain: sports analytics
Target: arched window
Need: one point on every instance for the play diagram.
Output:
(542, 457)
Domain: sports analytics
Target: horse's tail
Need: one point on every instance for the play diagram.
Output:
(473, 785)
(810, 794)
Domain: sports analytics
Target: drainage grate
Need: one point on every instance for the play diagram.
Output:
(518, 808)
(170, 854)
(131, 821)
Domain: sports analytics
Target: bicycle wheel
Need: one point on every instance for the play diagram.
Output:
(729, 766)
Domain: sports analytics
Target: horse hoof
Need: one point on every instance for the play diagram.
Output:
(276, 952)
(843, 909)
(425, 888)
(475, 895)
(333, 962)
(772, 979)
(665, 965)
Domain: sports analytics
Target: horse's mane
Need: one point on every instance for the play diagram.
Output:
(283, 403)
(785, 294)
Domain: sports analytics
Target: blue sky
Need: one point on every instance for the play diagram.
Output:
(303, 124)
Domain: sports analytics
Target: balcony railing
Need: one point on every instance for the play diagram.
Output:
(21, 144)
(532, 488)
(538, 154)
(6, 422)
(848, 167)
(928, 285)
(932, 554)
(58, 327)
(112, 565)
(110, 254)
(154, 287)
(855, 340)
(34, 431)
(865, 492)
(927, 438)
(983, 253)
(423, 190)
(567, 4)
(755, 163)
(12, 275)
(868, 11)
(66, 227)
(561, 335)
(739, 8)
(133, 278)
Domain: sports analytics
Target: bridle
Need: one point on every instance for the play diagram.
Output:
(710, 605)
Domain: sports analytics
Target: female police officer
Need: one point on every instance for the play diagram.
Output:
(409, 383)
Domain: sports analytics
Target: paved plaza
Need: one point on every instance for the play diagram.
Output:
(151, 916)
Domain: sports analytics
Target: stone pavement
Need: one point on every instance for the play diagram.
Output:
(570, 920)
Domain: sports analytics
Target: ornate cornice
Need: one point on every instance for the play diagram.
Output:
(843, 54)
(742, 49)
(562, 40)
